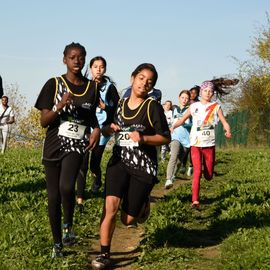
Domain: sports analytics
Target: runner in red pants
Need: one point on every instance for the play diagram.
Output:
(205, 115)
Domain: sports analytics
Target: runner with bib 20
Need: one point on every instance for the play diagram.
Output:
(139, 126)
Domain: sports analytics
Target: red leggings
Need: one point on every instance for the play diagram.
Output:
(199, 156)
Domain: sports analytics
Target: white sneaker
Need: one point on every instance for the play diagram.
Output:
(168, 184)
(190, 171)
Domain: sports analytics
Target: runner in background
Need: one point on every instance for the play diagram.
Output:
(168, 113)
(205, 115)
(108, 101)
(139, 125)
(68, 109)
(180, 144)
(7, 118)
(194, 97)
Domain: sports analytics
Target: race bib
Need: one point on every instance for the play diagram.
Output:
(206, 135)
(122, 139)
(71, 130)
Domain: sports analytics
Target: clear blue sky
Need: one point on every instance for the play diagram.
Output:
(187, 41)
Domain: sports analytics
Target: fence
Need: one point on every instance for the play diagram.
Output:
(239, 128)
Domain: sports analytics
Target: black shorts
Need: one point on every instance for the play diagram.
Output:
(130, 185)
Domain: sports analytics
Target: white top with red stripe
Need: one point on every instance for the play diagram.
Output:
(204, 118)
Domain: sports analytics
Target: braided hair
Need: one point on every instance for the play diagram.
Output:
(74, 45)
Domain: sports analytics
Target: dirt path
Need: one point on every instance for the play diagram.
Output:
(125, 244)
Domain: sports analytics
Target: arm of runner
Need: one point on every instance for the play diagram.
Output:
(109, 130)
(149, 139)
(93, 139)
(11, 120)
(225, 124)
(181, 120)
(48, 116)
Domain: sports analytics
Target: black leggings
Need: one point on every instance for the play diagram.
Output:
(96, 157)
(60, 181)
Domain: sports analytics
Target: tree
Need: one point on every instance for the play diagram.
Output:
(27, 129)
(254, 95)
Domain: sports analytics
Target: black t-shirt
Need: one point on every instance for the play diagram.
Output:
(148, 119)
(80, 114)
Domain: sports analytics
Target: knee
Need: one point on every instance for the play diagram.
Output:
(110, 212)
(66, 191)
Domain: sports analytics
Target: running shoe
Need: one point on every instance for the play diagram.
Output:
(190, 171)
(168, 184)
(195, 205)
(101, 261)
(132, 226)
(96, 183)
(145, 212)
(57, 250)
(68, 235)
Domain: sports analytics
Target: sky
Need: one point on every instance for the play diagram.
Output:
(187, 41)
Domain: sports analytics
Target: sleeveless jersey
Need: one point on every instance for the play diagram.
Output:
(140, 157)
(68, 133)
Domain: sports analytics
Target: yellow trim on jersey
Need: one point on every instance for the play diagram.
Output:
(56, 89)
(77, 95)
(148, 113)
(132, 117)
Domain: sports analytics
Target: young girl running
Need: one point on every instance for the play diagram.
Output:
(180, 144)
(205, 116)
(139, 125)
(68, 108)
(108, 101)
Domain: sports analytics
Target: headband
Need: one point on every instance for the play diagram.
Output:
(207, 84)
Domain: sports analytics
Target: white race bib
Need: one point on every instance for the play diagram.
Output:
(206, 135)
(122, 139)
(71, 130)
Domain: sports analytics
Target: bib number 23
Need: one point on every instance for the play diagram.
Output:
(72, 130)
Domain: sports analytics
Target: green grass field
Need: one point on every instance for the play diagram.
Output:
(230, 232)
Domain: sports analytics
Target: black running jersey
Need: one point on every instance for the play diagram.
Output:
(148, 119)
(68, 132)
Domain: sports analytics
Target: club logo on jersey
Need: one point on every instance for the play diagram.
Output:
(87, 105)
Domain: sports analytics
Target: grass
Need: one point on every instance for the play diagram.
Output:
(230, 232)
(231, 229)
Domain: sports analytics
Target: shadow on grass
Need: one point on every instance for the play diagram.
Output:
(29, 186)
(177, 236)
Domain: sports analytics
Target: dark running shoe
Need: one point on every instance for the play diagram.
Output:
(69, 238)
(101, 261)
(57, 250)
